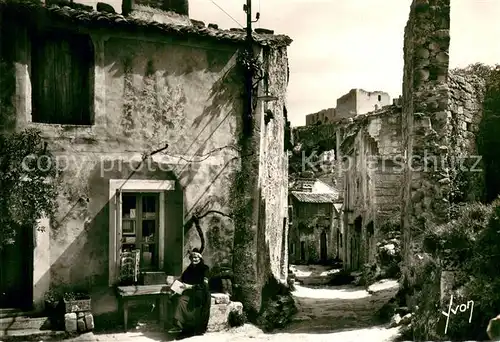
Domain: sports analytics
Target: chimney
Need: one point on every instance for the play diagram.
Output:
(164, 11)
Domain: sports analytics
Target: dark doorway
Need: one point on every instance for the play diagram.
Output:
(357, 239)
(337, 256)
(284, 243)
(323, 247)
(353, 248)
(302, 250)
(370, 241)
(16, 272)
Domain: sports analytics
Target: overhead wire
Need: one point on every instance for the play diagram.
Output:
(225, 12)
(258, 22)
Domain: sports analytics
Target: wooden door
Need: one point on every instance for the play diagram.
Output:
(16, 272)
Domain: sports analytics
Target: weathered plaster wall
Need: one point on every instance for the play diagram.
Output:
(260, 252)
(147, 94)
(372, 166)
(151, 91)
(274, 168)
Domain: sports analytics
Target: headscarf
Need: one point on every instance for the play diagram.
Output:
(195, 252)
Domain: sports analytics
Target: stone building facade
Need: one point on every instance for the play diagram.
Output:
(370, 150)
(359, 101)
(355, 102)
(316, 227)
(106, 90)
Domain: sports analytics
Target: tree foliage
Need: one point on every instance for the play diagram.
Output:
(470, 245)
(27, 186)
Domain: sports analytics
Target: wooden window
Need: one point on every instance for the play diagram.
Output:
(140, 217)
(62, 78)
(146, 216)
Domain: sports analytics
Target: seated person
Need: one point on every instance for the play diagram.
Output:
(193, 306)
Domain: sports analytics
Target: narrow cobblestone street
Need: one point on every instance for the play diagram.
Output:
(326, 313)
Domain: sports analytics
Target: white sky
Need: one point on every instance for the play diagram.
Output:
(343, 44)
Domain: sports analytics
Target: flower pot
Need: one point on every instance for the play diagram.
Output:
(77, 305)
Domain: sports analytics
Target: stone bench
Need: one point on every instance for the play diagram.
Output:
(219, 311)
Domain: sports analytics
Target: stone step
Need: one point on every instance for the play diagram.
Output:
(12, 312)
(32, 335)
(9, 312)
(23, 322)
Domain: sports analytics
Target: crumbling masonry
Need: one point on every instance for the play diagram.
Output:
(404, 159)
(441, 112)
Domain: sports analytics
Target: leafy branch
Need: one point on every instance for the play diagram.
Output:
(28, 191)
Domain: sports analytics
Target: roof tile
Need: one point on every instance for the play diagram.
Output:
(99, 19)
(311, 197)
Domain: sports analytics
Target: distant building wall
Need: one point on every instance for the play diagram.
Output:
(323, 116)
(355, 102)
(367, 101)
(346, 105)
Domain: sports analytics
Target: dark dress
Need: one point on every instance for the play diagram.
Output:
(193, 306)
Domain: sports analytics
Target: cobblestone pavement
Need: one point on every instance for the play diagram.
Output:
(325, 314)
(249, 333)
(335, 308)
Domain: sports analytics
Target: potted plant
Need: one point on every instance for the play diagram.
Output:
(76, 302)
(52, 299)
(52, 307)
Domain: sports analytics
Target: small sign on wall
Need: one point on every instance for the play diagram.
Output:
(132, 213)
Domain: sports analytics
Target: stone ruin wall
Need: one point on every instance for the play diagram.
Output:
(465, 110)
(437, 107)
(440, 116)
(371, 149)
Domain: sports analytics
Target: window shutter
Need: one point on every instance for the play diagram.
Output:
(118, 224)
(174, 232)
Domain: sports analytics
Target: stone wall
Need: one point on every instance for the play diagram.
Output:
(323, 116)
(426, 125)
(465, 106)
(441, 113)
(371, 152)
(346, 105)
